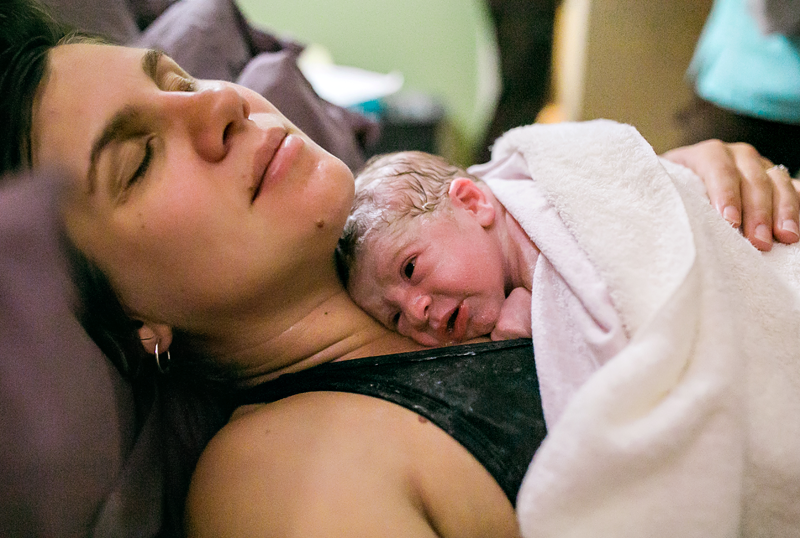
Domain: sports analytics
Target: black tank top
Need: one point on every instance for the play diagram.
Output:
(486, 396)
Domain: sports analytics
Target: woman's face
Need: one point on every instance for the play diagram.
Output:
(198, 199)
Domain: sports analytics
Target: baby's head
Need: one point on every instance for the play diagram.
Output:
(418, 252)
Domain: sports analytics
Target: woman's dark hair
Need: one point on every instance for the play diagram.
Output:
(27, 33)
(104, 318)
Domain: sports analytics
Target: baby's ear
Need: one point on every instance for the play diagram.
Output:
(152, 333)
(466, 194)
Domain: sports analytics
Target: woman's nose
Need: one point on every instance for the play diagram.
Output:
(217, 112)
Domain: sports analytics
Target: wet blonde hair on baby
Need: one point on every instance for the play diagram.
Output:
(390, 190)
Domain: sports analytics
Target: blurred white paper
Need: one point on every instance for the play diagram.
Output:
(349, 86)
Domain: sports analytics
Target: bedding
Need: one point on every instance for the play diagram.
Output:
(110, 18)
(68, 421)
(691, 429)
(205, 38)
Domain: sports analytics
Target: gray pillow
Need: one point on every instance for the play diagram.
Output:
(80, 448)
(110, 18)
(146, 11)
(73, 461)
(205, 37)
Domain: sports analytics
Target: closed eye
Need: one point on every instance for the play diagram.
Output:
(144, 165)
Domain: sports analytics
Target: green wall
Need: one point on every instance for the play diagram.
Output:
(440, 46)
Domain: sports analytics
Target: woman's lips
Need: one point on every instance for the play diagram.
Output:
(275, 159)
(264, 155)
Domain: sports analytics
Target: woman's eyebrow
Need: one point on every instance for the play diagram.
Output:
(150, 63)
(124, 124)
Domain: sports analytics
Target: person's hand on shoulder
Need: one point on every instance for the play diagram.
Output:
(515, 316)
(748, 190)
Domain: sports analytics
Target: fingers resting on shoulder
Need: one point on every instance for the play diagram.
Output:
(747, 189)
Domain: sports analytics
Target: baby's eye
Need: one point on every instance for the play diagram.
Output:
(408, 269)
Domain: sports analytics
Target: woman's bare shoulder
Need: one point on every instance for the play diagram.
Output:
(333, 464)
(312, 464)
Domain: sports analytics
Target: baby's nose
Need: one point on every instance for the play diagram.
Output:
(418, 307)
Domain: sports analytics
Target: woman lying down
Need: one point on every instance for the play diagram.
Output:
(213, 222)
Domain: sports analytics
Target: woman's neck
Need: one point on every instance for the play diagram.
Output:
(322, 327)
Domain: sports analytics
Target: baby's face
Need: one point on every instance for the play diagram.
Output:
(439, 280)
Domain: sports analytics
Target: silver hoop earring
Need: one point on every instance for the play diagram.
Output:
(165, 368)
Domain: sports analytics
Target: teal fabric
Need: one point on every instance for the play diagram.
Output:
(738, 68)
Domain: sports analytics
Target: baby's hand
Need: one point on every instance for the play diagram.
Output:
(515, 316)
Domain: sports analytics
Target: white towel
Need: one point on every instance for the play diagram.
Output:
(693, 429)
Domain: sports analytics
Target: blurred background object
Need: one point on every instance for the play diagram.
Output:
(618, 59)
(444, 50)
(746, 76)
(407, 119)
(776, 16)
(625, 60)
(523, 31)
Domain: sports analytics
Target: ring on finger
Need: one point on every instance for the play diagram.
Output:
(778, 167)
